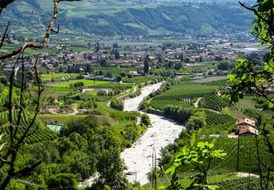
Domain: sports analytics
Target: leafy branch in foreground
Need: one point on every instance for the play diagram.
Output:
(198, 156)
(258, 79)
(251, 77)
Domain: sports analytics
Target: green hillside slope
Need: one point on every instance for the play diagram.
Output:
(109, 17)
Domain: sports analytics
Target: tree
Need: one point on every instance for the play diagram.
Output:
(103, 62)
(111, 169)
(146, 65)
(116, 54)
(97, 47)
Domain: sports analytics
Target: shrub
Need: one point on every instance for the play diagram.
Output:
(180, 115)
(117, 104)
(145, 120)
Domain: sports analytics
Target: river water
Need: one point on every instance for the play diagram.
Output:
(138, 158)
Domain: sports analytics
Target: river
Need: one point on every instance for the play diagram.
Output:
(138, 158)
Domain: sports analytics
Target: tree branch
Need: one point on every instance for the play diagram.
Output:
(4, 4)
(4, 35)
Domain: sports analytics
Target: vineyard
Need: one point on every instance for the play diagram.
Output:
(178, 93)
(39, 135)
(238, 110)
(213, 101)
(213, 118)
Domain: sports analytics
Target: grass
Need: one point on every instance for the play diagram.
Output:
(87, 83)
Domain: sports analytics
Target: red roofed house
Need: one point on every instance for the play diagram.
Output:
(246, 126)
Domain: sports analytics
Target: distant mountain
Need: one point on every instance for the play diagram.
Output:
(109, 17)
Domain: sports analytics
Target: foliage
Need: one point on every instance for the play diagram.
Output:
(146, 65)
(179, 114)
(62, 181)
(111, 172)
(145, 120)
(199, 155)
(248, 79)
(196, 121)
(117, 104)
(247, 76)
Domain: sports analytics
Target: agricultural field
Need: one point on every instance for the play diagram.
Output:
(87, 83)
(237, 110)
(213, 101)
(213, 118)
(177, 93)
(55, 92)
(186, 181)
(57, 76)
(60, 119)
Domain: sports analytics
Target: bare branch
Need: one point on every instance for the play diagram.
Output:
(4, 35)
(45, 40)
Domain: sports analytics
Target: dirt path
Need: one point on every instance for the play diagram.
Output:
(215, 111)
(196, 104)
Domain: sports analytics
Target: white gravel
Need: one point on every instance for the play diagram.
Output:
(131, 104)
(138, 158)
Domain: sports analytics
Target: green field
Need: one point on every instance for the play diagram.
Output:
(87, 83)
(56, 76)
(178, 93)
(61, 119)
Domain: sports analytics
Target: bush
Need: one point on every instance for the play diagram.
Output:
(180, 115)
(197, 121)
(117, 104)
(145, 120)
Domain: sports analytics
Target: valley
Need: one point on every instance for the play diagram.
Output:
(136, 95)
